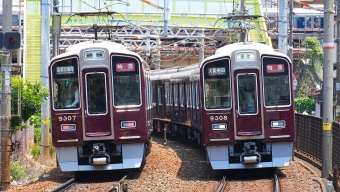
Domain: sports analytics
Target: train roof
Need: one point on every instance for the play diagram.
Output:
(111, 46)
(173, 73)
(297, 11)
(228, 49)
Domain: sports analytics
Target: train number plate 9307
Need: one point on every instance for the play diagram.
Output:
(67, 118)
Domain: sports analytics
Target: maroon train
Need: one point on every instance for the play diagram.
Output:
(238, 103)
(101, 115)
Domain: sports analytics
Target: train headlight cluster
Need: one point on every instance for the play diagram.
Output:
(219, 126)
(245, 56)
(68, 127)
(128, 124)
(278, 124)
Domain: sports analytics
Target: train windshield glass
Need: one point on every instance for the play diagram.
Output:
(65, 84)
(96, 93)
(247, 93)
(276, 81)
(126, 81)
(217, 85)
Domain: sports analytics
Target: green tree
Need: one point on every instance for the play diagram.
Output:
(31, 97)
(304, 104)
(314, 52)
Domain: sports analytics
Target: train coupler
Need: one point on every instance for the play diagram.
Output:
(250, 154)
(99, 155)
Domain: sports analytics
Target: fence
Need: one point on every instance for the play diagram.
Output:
(309, 142)
(22, 140)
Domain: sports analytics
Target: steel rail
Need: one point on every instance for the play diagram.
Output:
(276, 184)
(117, 186)
(64, 186)
(222, 185)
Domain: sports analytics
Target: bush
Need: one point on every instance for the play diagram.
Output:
(304, 104)
(35, 151)
(37, 135)
(17, 170)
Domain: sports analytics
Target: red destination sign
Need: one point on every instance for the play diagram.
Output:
(275, 68)
(125, 67)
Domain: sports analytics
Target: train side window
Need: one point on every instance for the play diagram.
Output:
(181, 96)
(276, 82)
(175, 95)
(197, 95)
(160, 95)
(167, 98)
(193, 104)
(154, 96)
(65, 77)
(96, 93)
(188, 95)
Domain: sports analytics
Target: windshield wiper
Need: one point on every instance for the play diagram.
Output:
(120, 99)
(271, 100)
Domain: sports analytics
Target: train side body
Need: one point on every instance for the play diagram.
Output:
(109, 127)
(238, 103)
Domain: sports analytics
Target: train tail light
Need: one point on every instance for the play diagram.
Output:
(219, 126)
(128, 124)
(68, 127)
(278, 124)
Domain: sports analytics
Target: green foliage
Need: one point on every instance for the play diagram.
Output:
(17, 170)
(315, 53)
(32, 95)
(304, 104)
(35, 151)
(37, 135)
(35, 120)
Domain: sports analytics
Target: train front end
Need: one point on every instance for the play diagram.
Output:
(96, 125)
(248, 114)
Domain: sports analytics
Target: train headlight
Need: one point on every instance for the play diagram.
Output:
(219, 126)
(68, 127)
(278, 124)
(245, 56)
(128, 124)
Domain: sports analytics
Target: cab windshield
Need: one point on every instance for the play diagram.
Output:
(126, 81)
(276, 81)
(65, 86)
(217, 85)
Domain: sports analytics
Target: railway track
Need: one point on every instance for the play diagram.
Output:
(222, 185)
(121, 186)
(65, 185)
(276, 184)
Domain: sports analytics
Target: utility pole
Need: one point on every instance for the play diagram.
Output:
(243, 34)
(6, 97)
(327, 88)
(56, 27)
(337, 52)
(158, 52)
(201, 40)
(45, 58)
(167, 10)
(290, 39)
(283, 26)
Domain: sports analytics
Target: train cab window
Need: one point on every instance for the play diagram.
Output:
(247, 93)
(65, 84)
(276, 82)
(126, 81)
(217, 85)
(160, 95)
(96, 93)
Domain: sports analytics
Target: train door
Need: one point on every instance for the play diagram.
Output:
(188, 102)
(182, 113)
(154, 101)
(167, 100)
(247, 94)
(96, 96)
